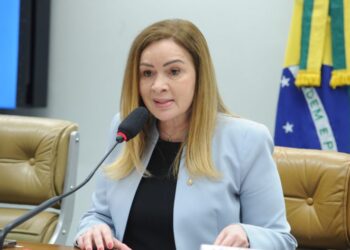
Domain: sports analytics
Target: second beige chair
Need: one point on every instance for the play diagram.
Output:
(316, 190)
(38, 160)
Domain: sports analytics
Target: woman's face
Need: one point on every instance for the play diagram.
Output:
(167, 81)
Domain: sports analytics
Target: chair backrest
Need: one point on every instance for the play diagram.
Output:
(38, 159)
(316, 191)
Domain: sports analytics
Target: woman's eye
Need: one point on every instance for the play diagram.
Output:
(175, 72)
(147, 73)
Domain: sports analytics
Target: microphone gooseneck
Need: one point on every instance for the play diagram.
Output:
(129, 127)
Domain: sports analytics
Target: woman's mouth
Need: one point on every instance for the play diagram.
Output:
(163, 103)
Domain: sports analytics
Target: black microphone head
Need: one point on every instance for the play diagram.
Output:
(132, 124)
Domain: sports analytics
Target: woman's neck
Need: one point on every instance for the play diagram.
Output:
(173, 131)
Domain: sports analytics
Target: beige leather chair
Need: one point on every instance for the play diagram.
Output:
(316, 190)
(38, 159)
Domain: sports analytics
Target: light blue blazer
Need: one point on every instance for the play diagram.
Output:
(248, 193)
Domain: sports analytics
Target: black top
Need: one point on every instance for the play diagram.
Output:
(150, 222)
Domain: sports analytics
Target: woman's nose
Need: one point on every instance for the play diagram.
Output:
(159, 84)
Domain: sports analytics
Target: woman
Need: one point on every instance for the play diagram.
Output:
(195, 174)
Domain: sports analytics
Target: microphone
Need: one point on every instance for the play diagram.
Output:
(127, 130)
(132, 124)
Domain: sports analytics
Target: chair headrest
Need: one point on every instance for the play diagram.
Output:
(316, 190)
(33, 158)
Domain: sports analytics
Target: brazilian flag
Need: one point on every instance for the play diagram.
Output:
(314, 105)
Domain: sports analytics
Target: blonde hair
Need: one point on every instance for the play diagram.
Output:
(206, 101)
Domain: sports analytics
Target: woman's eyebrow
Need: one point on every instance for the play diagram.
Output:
(164, 65)
(173, 61)
(146, 64)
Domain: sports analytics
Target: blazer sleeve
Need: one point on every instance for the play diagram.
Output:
(263, 214)
(99, 213)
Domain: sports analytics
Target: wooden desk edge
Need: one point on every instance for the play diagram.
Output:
(39, 246)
